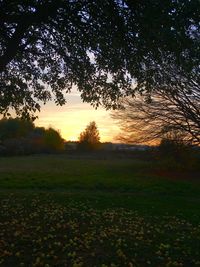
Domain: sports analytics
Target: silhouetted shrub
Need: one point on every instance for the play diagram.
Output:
(53, 140)
(18, 146)
(177, 154)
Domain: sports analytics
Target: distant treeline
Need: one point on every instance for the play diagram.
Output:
(22, 137)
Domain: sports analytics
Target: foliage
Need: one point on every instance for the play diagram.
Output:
(17, 146)
(53, 140)
(15, 128)
(19, 137)
(101, 47)
(175, 149)
(89, 139)
(176, 153)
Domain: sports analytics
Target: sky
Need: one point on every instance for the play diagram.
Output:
(72, 118)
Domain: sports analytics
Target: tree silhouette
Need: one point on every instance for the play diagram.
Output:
(15, 128)
(89, 139)
(19, 136)
(52, 140)
(172, 108)
(46, 47)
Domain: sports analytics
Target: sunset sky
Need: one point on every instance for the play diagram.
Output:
(72, 118)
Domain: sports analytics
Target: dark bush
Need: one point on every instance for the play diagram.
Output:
(177, 154)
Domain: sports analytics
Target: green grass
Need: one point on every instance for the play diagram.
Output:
(61, 173)
(57, 211)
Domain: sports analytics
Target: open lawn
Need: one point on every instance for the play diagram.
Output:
(61, 211)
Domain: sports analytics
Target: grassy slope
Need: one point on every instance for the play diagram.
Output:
(57, 211)
(106, 183)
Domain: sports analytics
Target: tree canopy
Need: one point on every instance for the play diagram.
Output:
(108, 49)
(23, 137)
(89, 139)
(15, 128)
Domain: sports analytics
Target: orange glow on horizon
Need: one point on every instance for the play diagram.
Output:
(71, 120)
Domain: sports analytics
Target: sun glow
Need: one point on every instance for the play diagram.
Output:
(72, 118)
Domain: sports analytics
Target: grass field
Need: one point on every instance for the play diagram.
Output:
(61, 211)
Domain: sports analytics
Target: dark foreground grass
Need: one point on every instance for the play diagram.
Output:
(57, 211)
